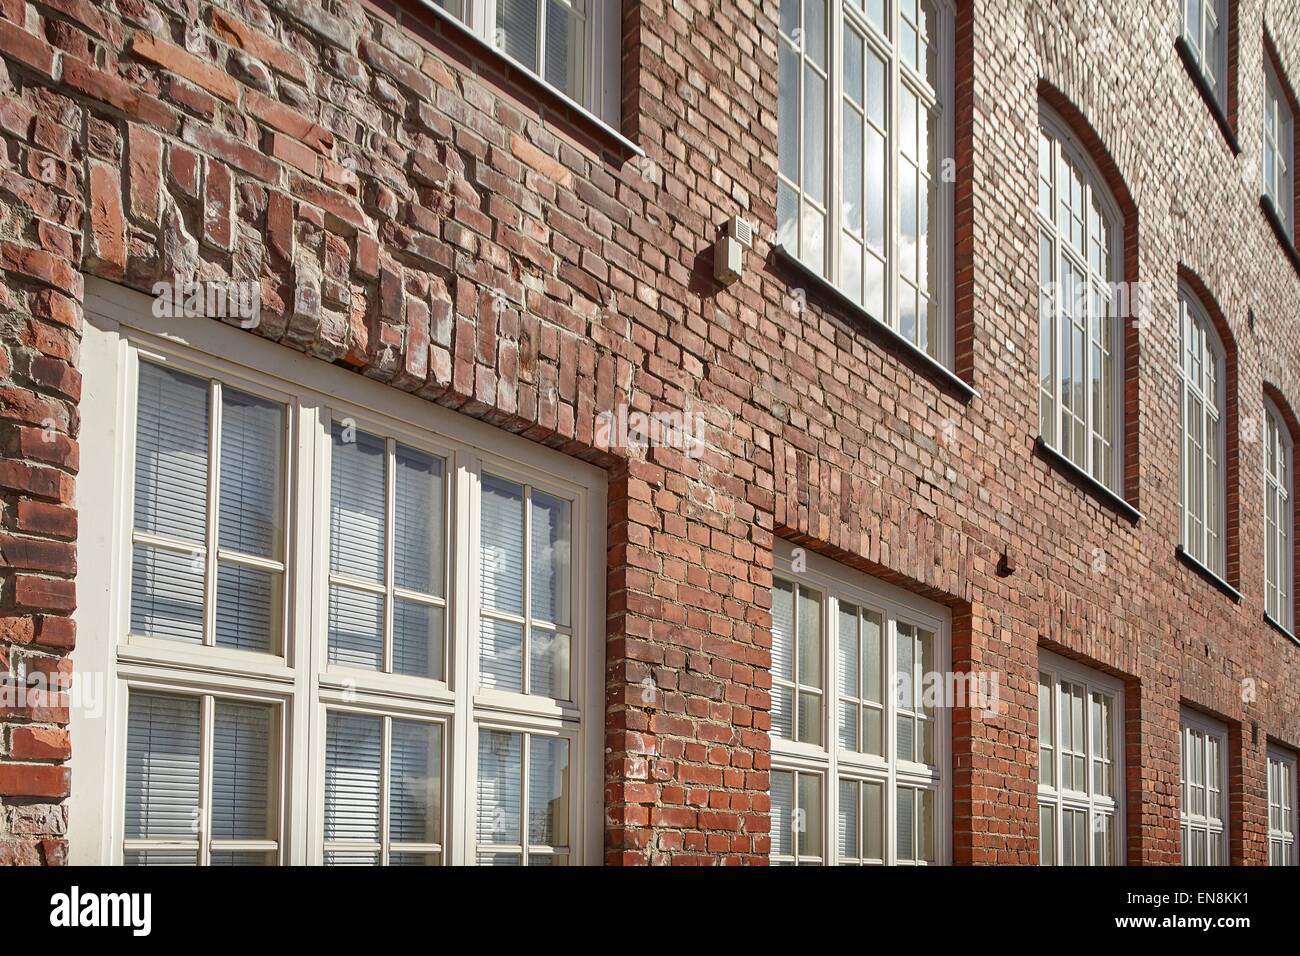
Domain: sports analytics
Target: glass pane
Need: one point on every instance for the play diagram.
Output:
(501, 655)
(167, 594)
(848, 642)
(565, 44)
(171, 454)
(809, 825)
(926, 825)
(1047, 836)
(248, 608)
(549, 558)
(417, 639)
(417, 522)
(782, 630)
(502, 545)
(810, 718)
(243, 790)
(357, 503)
(516, 32)
(162, 767)
(905, 830)
(160, 858)
(548, 664)
(783, 712)
(782, 794)
(814, 136)
(788, 113)
(351, 858)
(356, 628)
(500, 786)
(873, 821)
(548, 791)
(848, 817)
(415, 783)
(872, 664)
(252, 476)
(414, 859)
(352, 776)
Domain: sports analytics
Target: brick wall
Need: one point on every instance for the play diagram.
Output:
(387, 187)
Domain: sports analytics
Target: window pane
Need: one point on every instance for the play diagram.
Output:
(810, 639)
(548, 791)
(548, 663)
(501, 655)
(517, 30)
(160, 858)
(782, 630)
(415, 783)
(549, 558)
(417, 522)
(905, 835)
(782, 794)
(565, 43)
(248, 608)
(809, 825)
(1047, 836)
(242, 788)
(356, 628)
(167, 594)
(171, 454)
(162, 767)
(502, 545)
(500, 786)
(848, 817)
(352, 776)
(873, 821)
(252, 477)
(417, 639)
(357, 503)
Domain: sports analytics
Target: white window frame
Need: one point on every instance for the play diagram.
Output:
(1279, 145)
(1202, 373)
(120, 328)
(837, 583)
(1052, 403)
(1207, 38)
(1196, 726)
(1283, 845)
(602, 52)
(840, 13)
(1054, 797)
(1278, 494)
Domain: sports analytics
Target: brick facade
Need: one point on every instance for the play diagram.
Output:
(386, 184)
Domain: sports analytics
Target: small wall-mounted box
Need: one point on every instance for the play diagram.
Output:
(729, 250)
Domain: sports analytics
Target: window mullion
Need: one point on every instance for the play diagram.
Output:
(390, 510)
(834, 138)
(212, 531)
(385, 776)
(204, 822)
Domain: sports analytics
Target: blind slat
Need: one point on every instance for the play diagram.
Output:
(352, 776)
(171, 454)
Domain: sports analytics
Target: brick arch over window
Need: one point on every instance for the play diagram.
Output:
(1292, 423)
(1231, 469)
(1089, 140)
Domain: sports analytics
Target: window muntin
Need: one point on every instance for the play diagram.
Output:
(299, 680)
(1205, 29)
(201, 780)
(208, 562)
(1203, 811)
(1277, 517)
(863, 125)
(878, 754)
(1279, 138)
(1282, 808)
(1080, 304)
(1202, 400)
(1080, 765)
(572, 45)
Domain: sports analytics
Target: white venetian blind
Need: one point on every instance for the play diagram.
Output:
(517, 22)
(162, 767)
(415, 783)
(353, 778)
(252, 446)
(783, 659)
(241, 771)
(501, 582)
(357, 504)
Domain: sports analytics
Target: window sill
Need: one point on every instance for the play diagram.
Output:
(933, 369)
(1279, 230)
(1090, 484)
(1279, 626)
(1207, 94)
(439, 27)
(1207, 573)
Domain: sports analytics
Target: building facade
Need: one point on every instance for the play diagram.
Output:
(388, 478)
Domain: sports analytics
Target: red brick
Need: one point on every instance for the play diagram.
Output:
(144, 173)
(169, 56)
(33, 780)
(40, 743)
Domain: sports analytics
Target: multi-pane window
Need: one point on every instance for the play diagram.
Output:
(1279, 135)
(1080, 782)
(858, 696)
(1281, 808)
(1204, 808)
(1205, 30)
(573, 45)
(1202, 390)
(1277, 517)
(203, 781)
(1080, 303)
(864, 126)
(345, 615)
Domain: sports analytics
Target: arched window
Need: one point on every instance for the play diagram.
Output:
(1202, 399)
(1277, 516)
(1080, 302)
